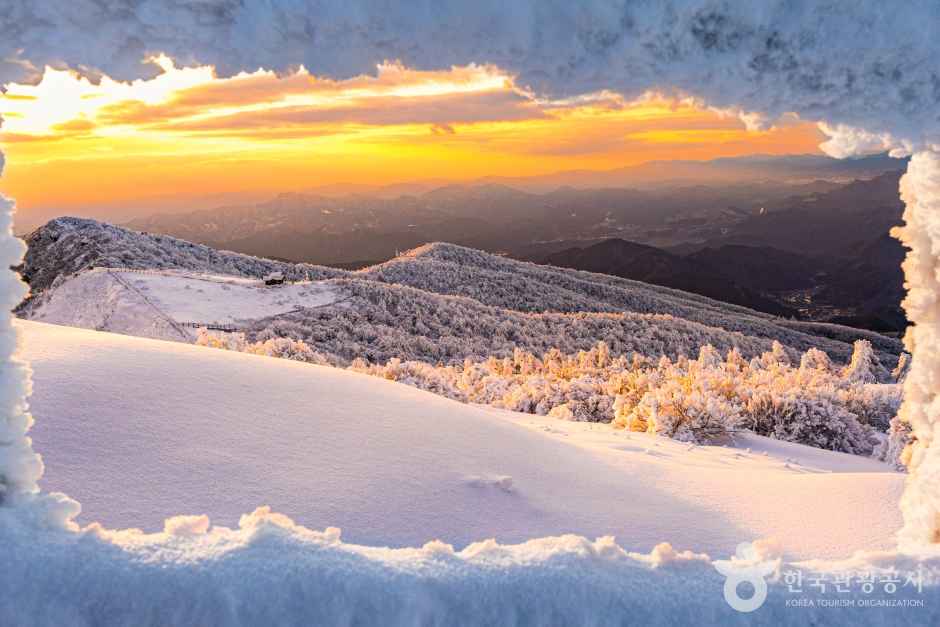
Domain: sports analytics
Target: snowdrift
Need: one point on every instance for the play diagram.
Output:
(270, 571)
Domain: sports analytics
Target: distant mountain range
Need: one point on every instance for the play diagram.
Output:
(658, 203)
(793, 236)
(320, 229)
(824, 257)
(789, 170)
(864, 292)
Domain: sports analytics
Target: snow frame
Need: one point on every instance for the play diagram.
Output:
(861, 69)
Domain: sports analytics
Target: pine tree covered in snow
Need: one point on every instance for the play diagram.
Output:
(897, 448)
(864, 367)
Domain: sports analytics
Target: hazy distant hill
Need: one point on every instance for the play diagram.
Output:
(871, 285)
(781, 168)
(319, 229)
(831, 223)
(661, 204)
(769, 268)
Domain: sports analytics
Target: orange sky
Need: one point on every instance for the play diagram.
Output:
(72, 146)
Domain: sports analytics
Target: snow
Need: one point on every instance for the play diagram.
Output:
(155, 303)
(857, 66)
(139, 430)
(222, 432)
(920, 190)
(414, 306)
(20, 468)
(203, 298)
(270, 571)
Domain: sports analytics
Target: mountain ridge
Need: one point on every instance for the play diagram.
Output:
(440, 301)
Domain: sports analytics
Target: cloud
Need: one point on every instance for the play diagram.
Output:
(70, 129)
(77, 126)
(266, 88)
(842, 61)
(845, 141)
(135, 112)
(446, 109)
(442, 129)
(27, 138)
(262, 103)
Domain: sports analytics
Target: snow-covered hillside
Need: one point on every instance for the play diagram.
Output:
(66, 246)
(521, 286)
(138, 430)
(350, 318)
(444, 305)
(412, 307)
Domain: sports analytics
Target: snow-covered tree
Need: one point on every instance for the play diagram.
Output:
(815, 359)
(864, 365)
(897, 447)
(816, 419)
(697, 400)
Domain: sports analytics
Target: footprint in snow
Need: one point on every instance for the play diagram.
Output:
(499, 482)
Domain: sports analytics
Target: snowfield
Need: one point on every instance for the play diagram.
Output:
(138, 430)
(167, 304)
(222, 299)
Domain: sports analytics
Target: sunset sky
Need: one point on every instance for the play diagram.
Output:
(117, 148)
